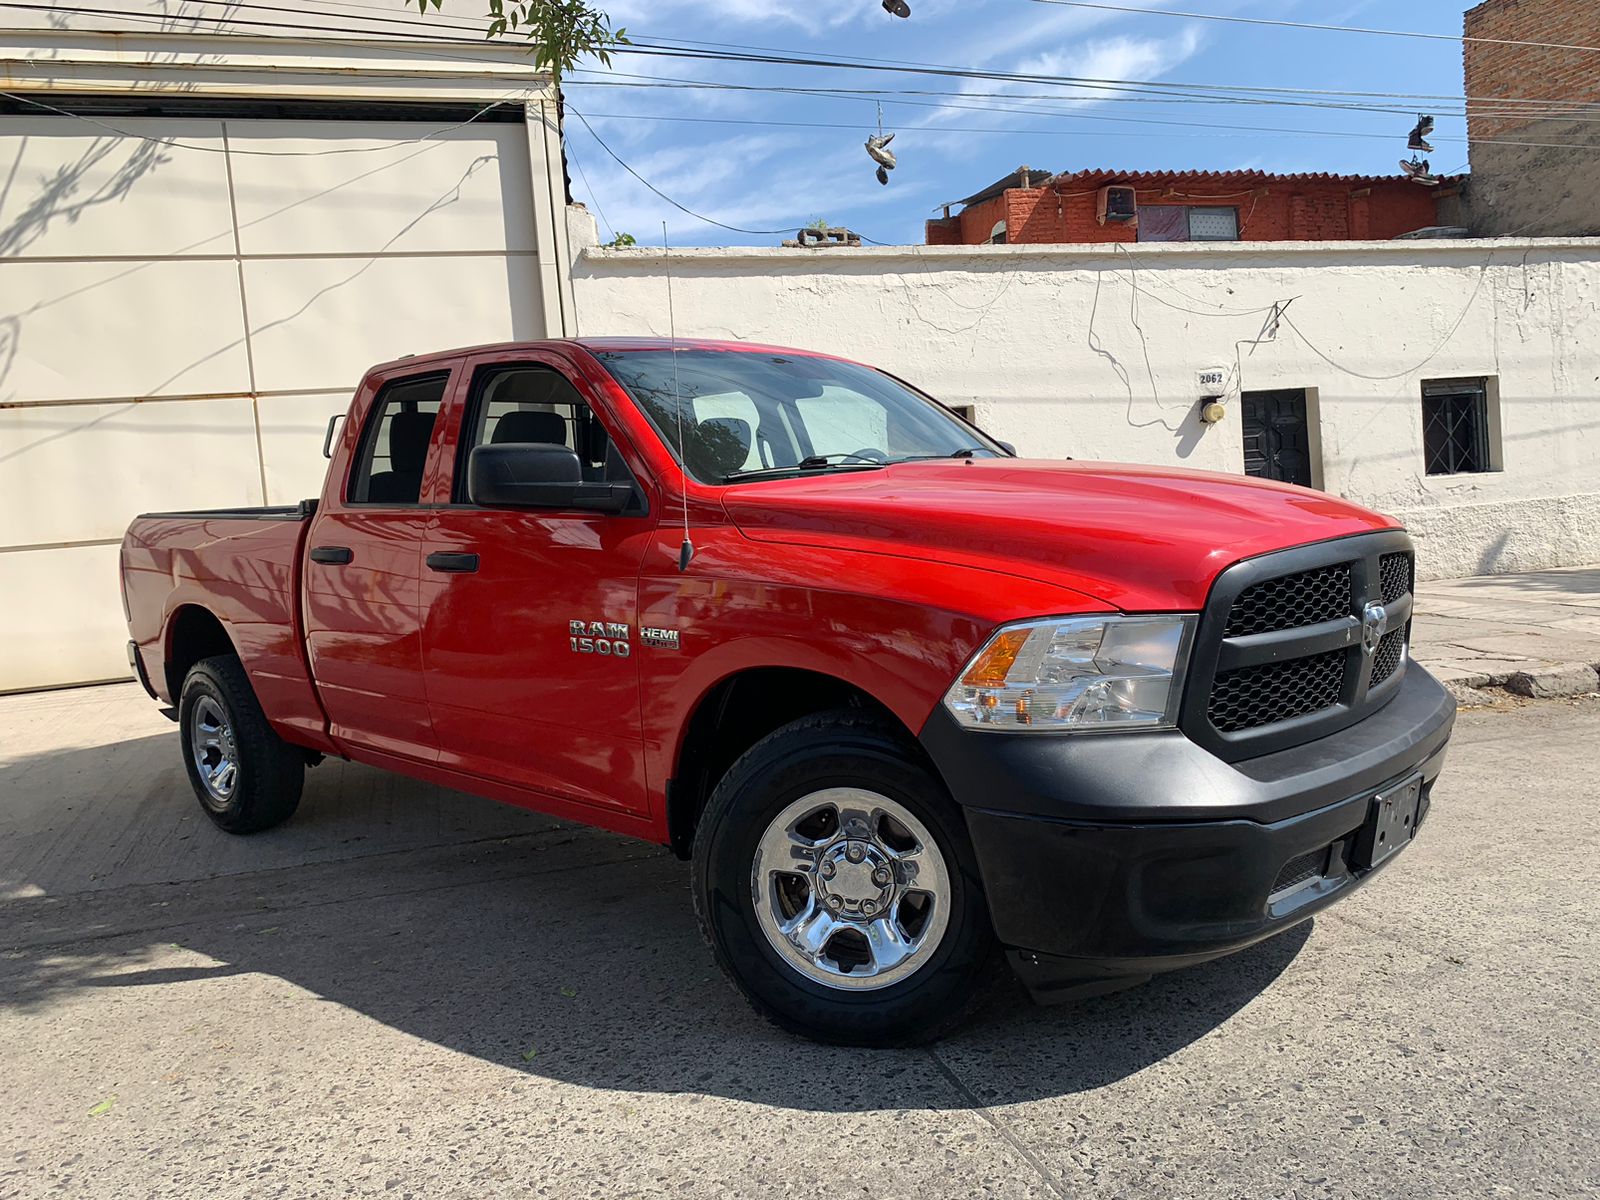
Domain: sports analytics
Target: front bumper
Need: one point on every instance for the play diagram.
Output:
(1109, 857)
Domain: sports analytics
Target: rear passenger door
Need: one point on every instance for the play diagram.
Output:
(361, 571)
(517, 695)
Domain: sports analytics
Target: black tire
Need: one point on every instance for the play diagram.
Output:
(845, 748)
(270, 773)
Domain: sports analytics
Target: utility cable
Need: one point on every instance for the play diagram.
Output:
(779, 58)
(683, 208)
(1231, 130)
(1399, 33)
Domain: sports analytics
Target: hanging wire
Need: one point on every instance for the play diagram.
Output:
(1281, 24)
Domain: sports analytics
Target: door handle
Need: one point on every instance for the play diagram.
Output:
(458, 564)
(332, 555)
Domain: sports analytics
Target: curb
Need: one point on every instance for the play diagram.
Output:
(1549, 681)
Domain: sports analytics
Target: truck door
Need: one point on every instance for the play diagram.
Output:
(362, 565)
(529, 616)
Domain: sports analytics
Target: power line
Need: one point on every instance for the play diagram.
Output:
(1231, 130)
(683, 208)
(883, 97)
(1225, 129)
(594, 196)
(774, 57)
(1216, 93)
(624, 79)
(1433, 37)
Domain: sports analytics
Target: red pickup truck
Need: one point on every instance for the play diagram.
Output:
(912, 705)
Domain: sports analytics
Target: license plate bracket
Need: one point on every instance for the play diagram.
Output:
(1391, 822)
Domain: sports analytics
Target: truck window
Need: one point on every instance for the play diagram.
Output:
(737, 412)
(526, 402)
(749, 412)
(394, 444)
(842, 419)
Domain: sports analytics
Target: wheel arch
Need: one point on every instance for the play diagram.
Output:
(194, 632)
(735, 713)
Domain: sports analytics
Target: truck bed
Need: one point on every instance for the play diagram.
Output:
(267, 512)
(183, 572)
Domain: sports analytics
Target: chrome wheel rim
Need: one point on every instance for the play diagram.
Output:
(216, 755)
(851, 889)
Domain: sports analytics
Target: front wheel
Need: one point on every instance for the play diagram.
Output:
(245, 776)
(835, 883)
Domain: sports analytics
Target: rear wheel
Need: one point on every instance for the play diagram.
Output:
(835, 883)
(245, 776)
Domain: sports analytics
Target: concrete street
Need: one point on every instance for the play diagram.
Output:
(407, 992)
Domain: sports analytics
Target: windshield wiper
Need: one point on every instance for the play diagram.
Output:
(964, 452)
(811, 463)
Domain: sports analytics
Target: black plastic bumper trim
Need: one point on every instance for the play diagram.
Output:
(136, 661)
(1110, 857)
(1163, 776)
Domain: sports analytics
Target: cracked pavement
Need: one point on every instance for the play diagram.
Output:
(410, 992)
(1494, 625)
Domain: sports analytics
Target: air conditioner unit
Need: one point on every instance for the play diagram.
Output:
(1118, 203)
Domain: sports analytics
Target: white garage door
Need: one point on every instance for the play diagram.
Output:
(180, 316)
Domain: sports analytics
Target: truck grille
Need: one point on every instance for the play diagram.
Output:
(1291, 601)
(1391, 651)
(1311, 865)
(1292, 646)
(1395, 572)
(1256, 696)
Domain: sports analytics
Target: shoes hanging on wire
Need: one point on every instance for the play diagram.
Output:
(1418, 170)
(878, 150)
(1419, 135)
(897, 8)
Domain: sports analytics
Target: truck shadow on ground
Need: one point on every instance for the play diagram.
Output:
(559, 952)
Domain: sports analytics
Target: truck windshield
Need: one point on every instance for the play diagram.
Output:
(752, 416)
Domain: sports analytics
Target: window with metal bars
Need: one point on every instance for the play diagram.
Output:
(1455, 426)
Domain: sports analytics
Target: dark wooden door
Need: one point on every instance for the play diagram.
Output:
(1277, 441)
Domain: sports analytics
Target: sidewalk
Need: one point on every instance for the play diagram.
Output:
(1535, 634)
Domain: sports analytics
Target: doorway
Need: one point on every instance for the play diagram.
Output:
(1277, 436)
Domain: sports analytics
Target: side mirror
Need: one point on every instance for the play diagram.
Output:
(1007, 447)
(538, 475)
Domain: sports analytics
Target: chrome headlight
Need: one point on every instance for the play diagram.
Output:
(1076, 673)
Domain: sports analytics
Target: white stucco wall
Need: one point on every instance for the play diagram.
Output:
(1090, 352)
(186, 297)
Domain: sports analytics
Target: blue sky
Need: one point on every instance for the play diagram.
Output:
(738, 163)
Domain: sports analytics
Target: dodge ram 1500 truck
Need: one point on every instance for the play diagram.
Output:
(912, 705)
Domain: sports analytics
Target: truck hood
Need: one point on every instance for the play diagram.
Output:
(1142, 539)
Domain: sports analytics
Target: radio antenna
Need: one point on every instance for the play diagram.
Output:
(686, 550)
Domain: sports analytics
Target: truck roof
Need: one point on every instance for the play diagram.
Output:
(601, 345)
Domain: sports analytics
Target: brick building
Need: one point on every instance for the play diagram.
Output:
(1549, 189)
(1250, 206)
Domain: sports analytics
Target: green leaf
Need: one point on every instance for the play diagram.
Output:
(531, 1053)
(105, 1106)
(570, 993)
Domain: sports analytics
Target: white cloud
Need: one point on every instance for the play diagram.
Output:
(1121, 58)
